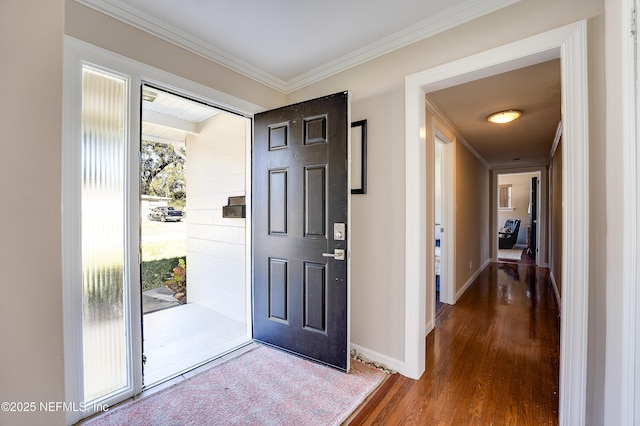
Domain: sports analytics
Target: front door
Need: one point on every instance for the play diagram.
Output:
(300, 217)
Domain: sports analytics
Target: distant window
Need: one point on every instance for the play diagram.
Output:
(504, 196)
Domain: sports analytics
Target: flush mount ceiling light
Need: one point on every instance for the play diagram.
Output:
(148, 95)
(504, 116)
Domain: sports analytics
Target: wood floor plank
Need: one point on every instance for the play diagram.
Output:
(492, 359)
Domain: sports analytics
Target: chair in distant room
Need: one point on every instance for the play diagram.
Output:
(509, 234)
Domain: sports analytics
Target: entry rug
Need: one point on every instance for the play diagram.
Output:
(263, 386)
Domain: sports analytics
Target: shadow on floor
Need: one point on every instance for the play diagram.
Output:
(157, 299)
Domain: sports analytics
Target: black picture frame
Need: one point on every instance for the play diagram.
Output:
(359, 157)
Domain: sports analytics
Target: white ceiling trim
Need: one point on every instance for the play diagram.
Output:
(435, 24)
(426, 28)
(143, 21)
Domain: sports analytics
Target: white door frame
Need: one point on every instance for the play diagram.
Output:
(447, 251)
(634, 240)
(569, 44)
(629, 353)
(78, 52)
(436, 129)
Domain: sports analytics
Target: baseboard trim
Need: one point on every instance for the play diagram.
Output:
(471, 279)
(386, 361)
(428, 328)
(557, 293)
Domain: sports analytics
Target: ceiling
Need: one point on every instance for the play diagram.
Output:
(168, 118)
(288, 44)
(533, 90)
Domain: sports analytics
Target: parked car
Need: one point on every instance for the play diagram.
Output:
(165, 214)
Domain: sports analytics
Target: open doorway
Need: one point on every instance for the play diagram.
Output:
(439, 226)
(193, 249)
(517, 213)
(443, 218)
(567, 43)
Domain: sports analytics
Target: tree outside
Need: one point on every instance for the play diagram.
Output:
(163, 172)
(163, 169)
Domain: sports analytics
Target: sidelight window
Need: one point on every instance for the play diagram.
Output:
(104, 112)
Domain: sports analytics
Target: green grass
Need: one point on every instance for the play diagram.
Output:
(155, 272)
(156, 250)
(160, 257)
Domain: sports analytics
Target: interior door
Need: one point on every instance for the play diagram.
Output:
(300, 221)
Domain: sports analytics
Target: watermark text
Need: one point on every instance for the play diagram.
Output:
(50, 406)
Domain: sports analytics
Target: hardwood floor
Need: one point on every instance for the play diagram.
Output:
(493, 358)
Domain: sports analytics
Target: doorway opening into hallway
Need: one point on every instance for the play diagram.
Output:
(569, 44)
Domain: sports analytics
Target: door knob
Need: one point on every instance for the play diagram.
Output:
(338, 254)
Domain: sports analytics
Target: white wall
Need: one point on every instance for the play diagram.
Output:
(611, 356)
(555, 223)
(438, 183)
(601, 257)
(31, 346)
(377, 245)
(471, 216)
(215, 245)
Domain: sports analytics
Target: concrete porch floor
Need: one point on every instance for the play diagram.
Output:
(183, 337)
(157, 299)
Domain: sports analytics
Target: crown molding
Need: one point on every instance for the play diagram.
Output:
(153, 26)
(428, 27)
(459, 138)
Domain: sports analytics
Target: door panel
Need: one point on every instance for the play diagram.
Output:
(277, 202)
(315, 195)
(300, 189)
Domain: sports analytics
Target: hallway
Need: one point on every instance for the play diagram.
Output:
(493, 358)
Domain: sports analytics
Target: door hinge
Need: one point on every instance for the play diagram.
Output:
(633, 24)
